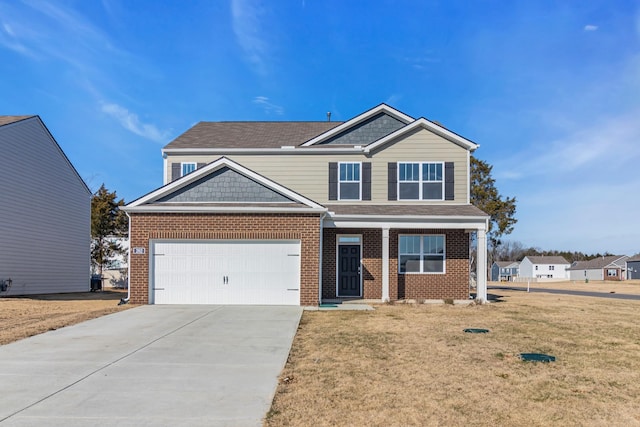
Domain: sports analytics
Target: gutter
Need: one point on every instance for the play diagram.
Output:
(320, 245)
(126, 300)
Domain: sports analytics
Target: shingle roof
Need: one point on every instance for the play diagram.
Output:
(547, 259)
(5, 120)
(503, 264)
(407, 210)
(250, 134)
(634, 258)
(596, 263)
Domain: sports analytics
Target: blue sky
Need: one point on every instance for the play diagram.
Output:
(550, 90)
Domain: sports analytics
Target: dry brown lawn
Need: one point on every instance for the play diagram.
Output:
(22, 317)
(413, 365)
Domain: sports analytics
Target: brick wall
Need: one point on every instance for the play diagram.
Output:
(453, 284)
(147, 226)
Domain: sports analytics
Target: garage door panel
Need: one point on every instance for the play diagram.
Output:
(226, 272)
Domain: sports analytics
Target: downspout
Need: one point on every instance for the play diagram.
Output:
(126, 300)
(321, 239)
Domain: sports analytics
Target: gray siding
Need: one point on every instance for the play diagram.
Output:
(46, 214)
(633, 269)
(368, 131)
(225, 185)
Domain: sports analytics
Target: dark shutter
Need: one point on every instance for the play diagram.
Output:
(201, 165)
(366, 181)
(392, 181)
(449, 183)
(175, 171)
(333, 181)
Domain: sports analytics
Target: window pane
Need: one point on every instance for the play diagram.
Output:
(409, 263)
(409, 191)
(349, 172)
(433, 244)
(343, 172)
(349, 191)
(409, 171)
(409, 244)
(432, 171)
(356, 171)
(433, 264)
(432, 191)
(188, 168)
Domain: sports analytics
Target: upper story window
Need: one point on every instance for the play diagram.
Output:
(349, 182)
(187, 167)
(421, 254)
(551, 267)
(420, 181)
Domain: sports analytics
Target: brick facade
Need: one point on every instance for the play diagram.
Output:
(149, 226)
(453, 284)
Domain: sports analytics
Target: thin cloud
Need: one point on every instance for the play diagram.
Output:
(268, 106)
(247, 17)
(132, 123)
(590, 27)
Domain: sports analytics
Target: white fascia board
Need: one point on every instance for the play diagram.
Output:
(409, 222)
(212, 167)
(358, 119)
(218, 209)
(277, 151)
(430, 126)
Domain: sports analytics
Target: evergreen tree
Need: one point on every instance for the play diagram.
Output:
(108, 222)
(485, 196)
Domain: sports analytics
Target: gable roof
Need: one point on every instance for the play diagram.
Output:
(6, 120)
(600, 263)
(166, 198)
(634, 258)
(546, 259)
(301, 137)
(505, 264)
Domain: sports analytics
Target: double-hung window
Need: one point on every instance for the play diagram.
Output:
(420, 181)
(187, 167)
(349, 181)
(421, 254)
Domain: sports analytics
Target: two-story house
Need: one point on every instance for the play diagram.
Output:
(376, 207)
(544, 267)
(504, 271)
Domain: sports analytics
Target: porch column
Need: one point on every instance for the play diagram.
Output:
(481, 267)
(385, 264)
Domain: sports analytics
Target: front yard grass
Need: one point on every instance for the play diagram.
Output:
(409, 364)
(22, 317)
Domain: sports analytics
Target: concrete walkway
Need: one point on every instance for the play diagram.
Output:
(150, 366)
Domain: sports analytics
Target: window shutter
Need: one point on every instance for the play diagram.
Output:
(366, 181)
(333, 181)
(392, 181)
(449, 184)
(175, 171)
(200, 165)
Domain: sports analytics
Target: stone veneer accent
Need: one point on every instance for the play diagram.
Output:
(237, 226)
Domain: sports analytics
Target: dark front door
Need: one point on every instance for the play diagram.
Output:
(349, 270)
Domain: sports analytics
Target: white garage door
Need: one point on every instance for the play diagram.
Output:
(263, 272)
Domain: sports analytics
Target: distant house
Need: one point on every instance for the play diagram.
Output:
(504, 271)
(602, 268)
(45, 213)
(544, 267)
(633, 267)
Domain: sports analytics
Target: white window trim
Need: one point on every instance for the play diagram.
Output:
(359, 181)
(444, 254)
(338, 236)
(420, 181)
(183, 164)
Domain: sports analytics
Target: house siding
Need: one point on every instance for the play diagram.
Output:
(303, 227)
(308, 174)
(46, 214)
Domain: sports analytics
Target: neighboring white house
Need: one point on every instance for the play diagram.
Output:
(544, 267)
(611, 267)
(116, 273)
(45, 213)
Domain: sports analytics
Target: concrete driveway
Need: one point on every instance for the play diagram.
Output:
(150, 366)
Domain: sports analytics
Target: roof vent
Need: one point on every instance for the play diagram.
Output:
(328, 116)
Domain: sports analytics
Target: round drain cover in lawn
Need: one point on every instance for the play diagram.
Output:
(537, 357)
(476, 331)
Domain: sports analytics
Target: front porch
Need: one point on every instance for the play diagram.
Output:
(400, 258)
